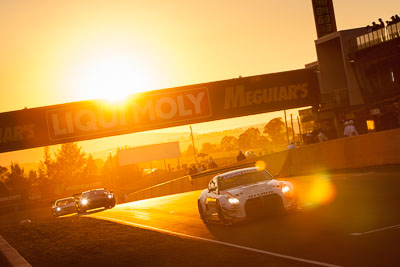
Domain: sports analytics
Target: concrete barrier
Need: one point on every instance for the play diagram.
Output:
(11, 256)
(375, 149)
(274, 163)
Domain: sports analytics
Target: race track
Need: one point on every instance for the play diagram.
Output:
(348, 218)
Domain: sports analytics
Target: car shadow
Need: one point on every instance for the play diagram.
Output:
(252, 227)
(91, 211)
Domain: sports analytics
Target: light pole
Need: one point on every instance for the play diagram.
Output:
(111, 167)
(194, 148)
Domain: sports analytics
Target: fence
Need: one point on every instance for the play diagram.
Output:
(378, 36)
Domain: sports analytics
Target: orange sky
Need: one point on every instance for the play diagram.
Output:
(62, 51)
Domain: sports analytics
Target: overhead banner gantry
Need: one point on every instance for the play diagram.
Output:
(164, 108)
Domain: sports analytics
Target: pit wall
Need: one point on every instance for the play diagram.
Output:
(374, 149)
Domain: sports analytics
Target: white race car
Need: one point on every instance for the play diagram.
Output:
(243, 194)
(64, 206)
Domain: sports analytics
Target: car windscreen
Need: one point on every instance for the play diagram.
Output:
(62, 202)
(226, 182)
(94, 193)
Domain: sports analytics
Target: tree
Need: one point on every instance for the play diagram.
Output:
(229, 143)
(264, 142)
(254, 135)
(46, 170)
(244, 141)
(70, 163)
(90, 170)
(17, 179)
(189, 151)
(208, 148)
(33, 178)
(107, 170)
(3, 173)
(275, 129)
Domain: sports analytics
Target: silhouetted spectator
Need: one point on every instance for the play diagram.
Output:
(350, 130)
(322, 137)
(192, 170)
(396, 18)
(212, 164)
(374, 26)
(314, 135)
(204, 167)
(200, 168)
(291, 146)
(241, 156)
(307, 139)
(382, 24)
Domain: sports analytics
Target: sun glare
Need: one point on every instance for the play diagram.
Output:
(322, 190)
(112, 76)
(261, 164)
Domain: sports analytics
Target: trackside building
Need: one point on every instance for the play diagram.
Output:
(359, 79)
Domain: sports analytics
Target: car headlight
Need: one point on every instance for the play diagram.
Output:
(233, 201)
(58, 209)
(110, 196)
(285, 189)
(84, 201)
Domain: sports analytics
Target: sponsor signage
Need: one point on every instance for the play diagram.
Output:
(171, 107)
(324, 17)
(141, 112)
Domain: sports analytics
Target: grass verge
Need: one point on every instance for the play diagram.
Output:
(80, 241)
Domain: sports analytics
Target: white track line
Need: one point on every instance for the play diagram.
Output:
(377, 230)
(214, 241)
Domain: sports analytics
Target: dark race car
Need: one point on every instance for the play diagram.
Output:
(92, 199)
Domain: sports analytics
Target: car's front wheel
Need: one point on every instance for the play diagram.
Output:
(221, 215)
(201, 212)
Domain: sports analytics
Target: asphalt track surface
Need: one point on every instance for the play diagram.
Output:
(348, 218)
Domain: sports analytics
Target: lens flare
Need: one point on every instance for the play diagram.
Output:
(261, 164)
(322, 191)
